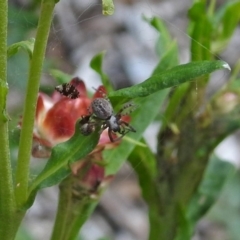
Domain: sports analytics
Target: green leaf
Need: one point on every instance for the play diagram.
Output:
(215, 177)
(169, 59)
(60, 76)
(107, 7)
(19, 23)
(62, 155)
(96, 65)
(56, 177)
(226, 210)
(169, 78)
(230, 19)
(27, 46)
(144, 163)
(4, 89)
(174, 101)
(197, 11)
(164, 41)
(201, 32)
(140, 119)
(225, 21)
(23, 234)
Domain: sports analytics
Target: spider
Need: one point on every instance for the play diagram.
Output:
(68, 90)
(102, 114)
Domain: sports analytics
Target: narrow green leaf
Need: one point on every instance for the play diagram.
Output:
(201, 40)
(147, 111)
(23, 234)
(164, 41)
(60, 76)
(217, 173)
(197, 10)
(140, 119)
(226, 210)
(144, 163)
(201, 32)
(27, 46)
(4, 91)
(173, 104)
(107, 7)
(62, 155)
(96, 65)
(169, 59)
(230, 19)
(225, 21)
(170, 78)
(56, 177)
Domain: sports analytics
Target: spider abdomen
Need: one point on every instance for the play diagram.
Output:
(102, 108)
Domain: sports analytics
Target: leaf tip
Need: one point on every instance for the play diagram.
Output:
(226, 65)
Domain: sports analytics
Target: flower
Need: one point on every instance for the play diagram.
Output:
(56, 117)
(55, 121)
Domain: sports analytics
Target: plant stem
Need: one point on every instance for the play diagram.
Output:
(22, 174)
(72, 211)
(7, 203)
(211, 7)
(80, 215)
(63, 209)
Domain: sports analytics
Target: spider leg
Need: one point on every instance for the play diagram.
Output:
(120, 137)
(116, 139)
(84, 119)
(126, 126)
(125, 106)
(103, 127)
(126, 129)
(110, 135)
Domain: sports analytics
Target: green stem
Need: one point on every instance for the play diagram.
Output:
(80, 216)
(61, 223)
(7, 202)
(211, 7)
(22, 174)
(72, 211)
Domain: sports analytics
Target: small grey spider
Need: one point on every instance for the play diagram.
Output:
(102, 115)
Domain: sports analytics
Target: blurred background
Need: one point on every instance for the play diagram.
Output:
(80, 31)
